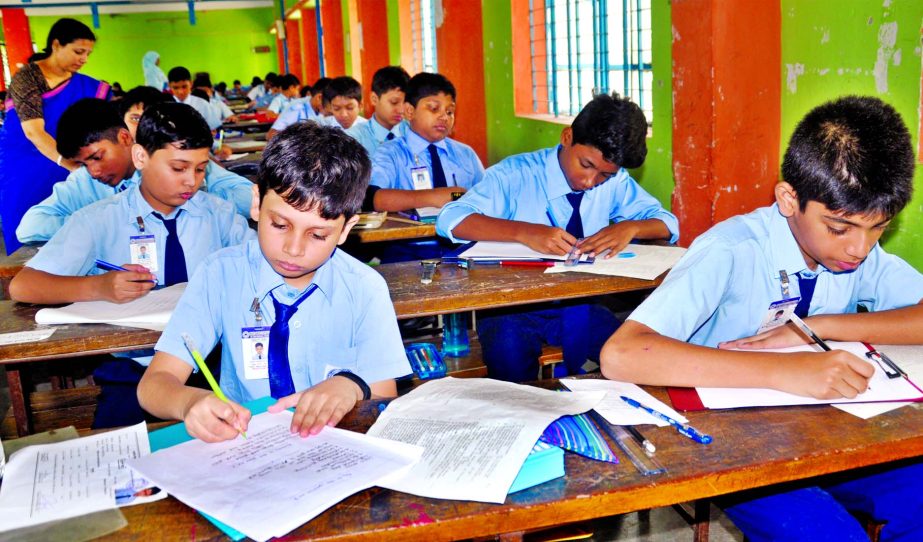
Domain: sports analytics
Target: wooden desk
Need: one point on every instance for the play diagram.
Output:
(482, 287)
(247, 143)
(12, 264)
(752, 448)
(394, 230)
(248, 126)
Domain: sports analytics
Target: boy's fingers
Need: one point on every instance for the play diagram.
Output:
(286, 402)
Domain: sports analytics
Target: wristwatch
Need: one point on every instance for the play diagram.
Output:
(366, 390)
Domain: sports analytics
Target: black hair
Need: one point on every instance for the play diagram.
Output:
(178, 74)
(236, 82)
(199, 93)
(270, 74)
(255, 345)
(853, 155)
(272, 79)
(172, 123)
(144, 95)
(616, 127)
(289, 80)
(256, 81)
(312, 166)
(202, 79)
(221, 87)
(305, 90)
(65, 31)
(426, 84)
(85, 122)
(319, 86)
(390, 78)
(344, 86)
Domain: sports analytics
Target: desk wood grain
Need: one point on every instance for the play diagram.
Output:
(393, 230)
(13, 264)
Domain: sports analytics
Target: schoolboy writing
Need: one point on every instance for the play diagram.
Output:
(389, 85)
(93, 135)
(425, 167)
(324, 318)
(847, 172)
(289, 85)
(180, 81)
(341, 101)
(549, 200)
(311, 109)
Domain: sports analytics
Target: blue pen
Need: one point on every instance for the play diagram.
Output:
(685, 430)
(102, 264)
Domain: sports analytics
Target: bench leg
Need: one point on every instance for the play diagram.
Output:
(19, 396)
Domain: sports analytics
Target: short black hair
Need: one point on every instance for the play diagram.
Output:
(289, 80)
(256, 81)
(202, 79)
(614, 126)
(255, 345)
(305, 90)
(344, 86)
(426, 84)
(173, 123)
(85, 122)
(390, 78)
(177, 74)
(236, 82)
(221, 87)
(199, 93)
(144, 95)
(273, 79)
(312, 166)
(853, 155)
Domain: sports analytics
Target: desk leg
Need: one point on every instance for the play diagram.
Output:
(19, 396)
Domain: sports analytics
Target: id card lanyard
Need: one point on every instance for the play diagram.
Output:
(254, 342)
(779, 312)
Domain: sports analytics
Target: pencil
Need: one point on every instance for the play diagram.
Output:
(190, 345)
(641, 439)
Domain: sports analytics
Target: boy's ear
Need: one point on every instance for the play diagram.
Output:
(255, 203)
(374, 99)
(347, 227)
(567, 136)
(139, 156)
(408, 111)
(124, 137)
(787, 199)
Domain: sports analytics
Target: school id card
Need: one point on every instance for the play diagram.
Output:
(421, 178)
(778, 313)
(143, 250)
(255, 344)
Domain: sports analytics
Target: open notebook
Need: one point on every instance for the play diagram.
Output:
(149, 312)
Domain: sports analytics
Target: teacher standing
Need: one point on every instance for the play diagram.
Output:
(38, 95)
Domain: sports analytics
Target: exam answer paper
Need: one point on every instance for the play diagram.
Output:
(476, 433)
(273, 481)
(152, 311)
(618, 412)
(647, 263)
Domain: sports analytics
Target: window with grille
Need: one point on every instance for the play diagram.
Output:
(423, 35)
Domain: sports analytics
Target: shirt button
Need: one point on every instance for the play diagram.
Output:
(299, 369)
(296, 324)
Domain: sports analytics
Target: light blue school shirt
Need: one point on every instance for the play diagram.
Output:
(722, 287)
(279, 103)
(266, 99)
(102, 230)
(392, 162)
(371, 134)
(347, 323)
(209, 112)
(299, 110)
(81, 189)
(529, 187)
(218, 103)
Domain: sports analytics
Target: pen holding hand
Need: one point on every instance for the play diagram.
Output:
(205, 412)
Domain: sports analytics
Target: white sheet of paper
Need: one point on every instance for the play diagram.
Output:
(150, 312)
(428, 212)
(18, 337)
(242, 145)
(273, 481)
(233, 157)
(881, 388)
(910, 359)
(70, 478)
(618, 412)
(476, 432)
(648, 263)
(507, 251)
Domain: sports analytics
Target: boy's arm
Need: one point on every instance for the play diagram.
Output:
(615, 237)
(229, 186)
(44, 219)
(390, 199)
(34, 286)
(544, 239)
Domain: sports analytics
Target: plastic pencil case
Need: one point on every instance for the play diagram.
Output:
(425, 360)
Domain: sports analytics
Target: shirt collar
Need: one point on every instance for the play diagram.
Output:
(267, 280)
(556, 184)
(138, 206)
(786, 254)
(417, 144)
(379, 132)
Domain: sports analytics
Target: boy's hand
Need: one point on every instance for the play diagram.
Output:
(779, 337)
(546, 239)
(125, 286)
(438, 197)
(613, 238)
(323, 404)
(224, 152)
(210, 419)
(824, 375)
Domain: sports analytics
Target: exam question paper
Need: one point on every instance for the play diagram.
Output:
(151, 311)
(618, 412)
(476, 434)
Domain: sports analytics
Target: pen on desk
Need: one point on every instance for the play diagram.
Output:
(685, 430)
(102, 264)
(809, 332)
(641, 439)
(197, 356)
(513, 263)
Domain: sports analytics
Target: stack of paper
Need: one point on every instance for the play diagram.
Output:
(496, 250)
(618, 412)
(149, 312)
(645, 262)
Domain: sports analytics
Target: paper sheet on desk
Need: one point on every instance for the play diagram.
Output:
(233, 157)
(476, 434)
(910, 359)
(274, 481)
(618, 412)
(648, 263)
(881, 388)
(241, 145)
(149, 312)
(506, 251)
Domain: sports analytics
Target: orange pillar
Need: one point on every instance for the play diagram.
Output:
(726, 109)
(280, 52)
(18, 38)
(331, 14)
(373, 16)
(293, 39)
(309, 57)
(405, 18)
(460, 57)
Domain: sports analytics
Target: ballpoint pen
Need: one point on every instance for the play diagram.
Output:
(685, 430)
(809, 332)
(102, 264)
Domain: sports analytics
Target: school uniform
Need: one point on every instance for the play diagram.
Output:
(209, 113)
(532, 188)
(80, 189)
(344, 321)
(393, 161)
(299, 110)
(371, 134)
(720, 290)
(279, 103)
(256, 92)
(218, 103)
(330, 120)
(266, 99)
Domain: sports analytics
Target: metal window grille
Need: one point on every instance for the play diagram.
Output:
(584, 47)
(423, 35)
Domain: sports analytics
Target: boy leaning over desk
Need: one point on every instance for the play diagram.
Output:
(324, 318)
(846, 174)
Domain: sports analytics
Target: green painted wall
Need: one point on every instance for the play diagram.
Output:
(394, 33)
(832, 48)
(510, 134)
(347, 50)
(221, 43)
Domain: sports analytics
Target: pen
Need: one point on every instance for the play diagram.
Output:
(102, 264)
(809, 332)
(685, 430)
(190, 345)
(525, 263)
(641, 439)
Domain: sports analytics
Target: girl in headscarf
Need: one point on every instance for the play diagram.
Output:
(153, 75)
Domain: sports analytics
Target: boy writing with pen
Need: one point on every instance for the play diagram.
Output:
(549, 200)
(846, 174)
(324, 319)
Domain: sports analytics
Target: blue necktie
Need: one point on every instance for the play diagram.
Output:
(280, 373)
(438, 172)
(390, 136)
(575, 224)
(174, 259)
(806, 288)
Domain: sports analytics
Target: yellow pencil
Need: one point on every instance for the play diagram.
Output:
(190, 345)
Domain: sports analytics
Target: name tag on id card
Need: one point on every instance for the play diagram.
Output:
(778, 313)
(421, 179)
(255, 344)
(143, 249)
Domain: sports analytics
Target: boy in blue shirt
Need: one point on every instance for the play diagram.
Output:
(425, 167)
(549, 200)
(92, 134)
(846, 174)
(342, 99)
(180, 81)
(289, 85)
(301, 110)
(389, 85)
(311, 184)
